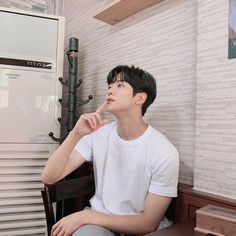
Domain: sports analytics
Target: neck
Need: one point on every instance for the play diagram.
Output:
(131, 128)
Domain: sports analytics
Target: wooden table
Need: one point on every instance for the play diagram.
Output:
(179, 229)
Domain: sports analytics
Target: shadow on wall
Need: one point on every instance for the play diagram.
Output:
(185, 173)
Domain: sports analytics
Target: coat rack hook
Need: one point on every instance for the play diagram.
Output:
(82, 102)
(80, 82)
(65, 83)
(58, 140)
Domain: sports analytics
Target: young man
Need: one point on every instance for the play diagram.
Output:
(135, 166)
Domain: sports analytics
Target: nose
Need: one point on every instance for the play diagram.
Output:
(110, 90)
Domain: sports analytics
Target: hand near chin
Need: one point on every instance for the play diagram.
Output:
(90, 122)
(69, 224)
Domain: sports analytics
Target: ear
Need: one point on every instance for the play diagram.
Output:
(141, 98)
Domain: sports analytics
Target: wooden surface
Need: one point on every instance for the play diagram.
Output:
(218, 212)
(217, 220)
(190, 200)
(121, 9)
(179, 229)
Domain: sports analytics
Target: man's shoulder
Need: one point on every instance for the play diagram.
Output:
(162, 143)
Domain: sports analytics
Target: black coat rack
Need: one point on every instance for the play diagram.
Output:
(73, 102)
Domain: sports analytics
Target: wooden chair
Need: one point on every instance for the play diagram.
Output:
(78, 189)
(59, 192)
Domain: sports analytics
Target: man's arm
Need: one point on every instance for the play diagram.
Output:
(65, 159)
(154, 209)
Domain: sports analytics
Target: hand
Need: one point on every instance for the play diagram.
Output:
(90, 122)
(69, 224)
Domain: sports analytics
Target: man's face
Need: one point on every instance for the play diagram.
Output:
(120, 97)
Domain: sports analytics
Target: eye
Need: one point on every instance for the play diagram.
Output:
(120, 85)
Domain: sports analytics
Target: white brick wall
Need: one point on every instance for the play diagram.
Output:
(161, 40)
(215, 162)
(30, 5)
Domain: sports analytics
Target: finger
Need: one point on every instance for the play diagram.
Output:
(61, 233)
(104, 122)
(92, 116)
(89, 120)
(56, 229)
(102, 108)
(98, 117)
(55, 226)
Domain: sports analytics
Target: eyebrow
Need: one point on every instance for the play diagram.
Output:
(117, 81)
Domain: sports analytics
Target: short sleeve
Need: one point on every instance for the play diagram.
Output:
(164, 178)
(84, 147)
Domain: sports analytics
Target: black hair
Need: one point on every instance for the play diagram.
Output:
(140, 81)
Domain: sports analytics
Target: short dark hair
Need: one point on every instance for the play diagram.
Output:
(140, 81)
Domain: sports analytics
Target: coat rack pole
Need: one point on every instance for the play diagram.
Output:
(72, 102)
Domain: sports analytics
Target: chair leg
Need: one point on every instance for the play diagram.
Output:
(50, 219)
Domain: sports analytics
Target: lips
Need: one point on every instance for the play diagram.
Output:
(109, 100)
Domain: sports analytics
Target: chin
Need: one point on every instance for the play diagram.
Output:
(109, 107)
(111, 110)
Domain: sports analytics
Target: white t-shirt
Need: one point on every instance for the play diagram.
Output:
(125, 171)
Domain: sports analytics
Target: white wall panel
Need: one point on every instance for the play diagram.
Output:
(215, 161)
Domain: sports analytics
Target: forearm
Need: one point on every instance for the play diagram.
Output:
(154, 209)
(127, 224)
(56, 163)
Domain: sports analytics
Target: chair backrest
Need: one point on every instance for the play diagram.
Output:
(62, 190)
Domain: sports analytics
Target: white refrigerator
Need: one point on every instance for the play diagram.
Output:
(31, 61)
